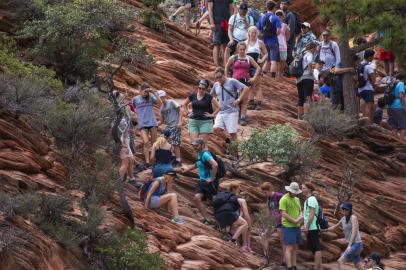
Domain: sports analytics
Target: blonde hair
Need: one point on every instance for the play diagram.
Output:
(241, 43)
(234, 186)
(160, 142)
(267, 186)
(252, 28)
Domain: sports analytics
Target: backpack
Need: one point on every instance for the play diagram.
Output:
(268, 29)
(321, 219)
(221, 168)
(225, 201)
(296, 67)
(319, 49)
(389, 94)
(255, 14)
(360, 75)
(144, 188)
(298, 28)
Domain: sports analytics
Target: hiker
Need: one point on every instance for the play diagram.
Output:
(329, 52)
(373, 262)
(397, 110)
(204, 15)
(126, 152)
(305, 83)
(378, 114)
(185, 8)
(293, 21)
(388, 59)
(163, 154)
(272, 202)
(306, 37)
(270, 26)
(208, 183)
(325, 88)
(241, 64)
(243, 212)
(257, 50)
(237, 30)
(147, 123)
(366, 82)
(202, 115)
(219, 13)
(292, 218)
(227, 91)
(171, 117)
(349, 222)
(160, 193)
(310, 211)
(283, 36)
(226, 209)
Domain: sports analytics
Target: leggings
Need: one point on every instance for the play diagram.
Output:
(305, 91)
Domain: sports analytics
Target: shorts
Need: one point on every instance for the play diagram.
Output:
(148, 128)
(185, 2)
(220, 35)
(273, 52)
(233, 47)
(227, 121)
(245, 81)
(200, 126)
(367, 96)
(397, 118)
(154, 202)
(160, 168)
(174, 137)
(313, 240)
(126, 152)
(305, 91)
(283, 55)
(292, 236)
(207, 190)
(353, 255)
(226, 218)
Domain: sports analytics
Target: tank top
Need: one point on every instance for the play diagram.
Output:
(241, 68)
(161, 190)
(163, 156)
(347, 228)
(254, 50)
(283, 47)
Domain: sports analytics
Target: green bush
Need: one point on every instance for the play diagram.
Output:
(130, 252)
(153, 20)
(20, 204)
(329, 121)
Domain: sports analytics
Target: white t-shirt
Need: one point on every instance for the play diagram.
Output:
(368, 69)
(240, 30)
(307, 60)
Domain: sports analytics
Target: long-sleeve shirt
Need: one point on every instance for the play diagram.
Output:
(303, 41)
(330, 54)
(290, 19)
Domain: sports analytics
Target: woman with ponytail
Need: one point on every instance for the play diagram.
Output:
(373, 262)
(350, 226)
(162, 155)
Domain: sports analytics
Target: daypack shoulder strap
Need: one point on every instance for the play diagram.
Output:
(228, 92)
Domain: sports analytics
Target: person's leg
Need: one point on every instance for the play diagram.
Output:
(244, 103)
(146, 145)
(308, 90)
(188, 16)
(205, 137)
(227, 53)
(301, 97)
(198, 199)
(294, 257)
(216, 49)
(288, 255)
(369, 110)
(222, 50)
(231, 124)
(341, 262)
(317, 260)
(240, 226)
(280, 235)
(124, 168)
(181, 9)
(154, 134)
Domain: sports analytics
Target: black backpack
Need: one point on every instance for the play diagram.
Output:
(389, 93)
(225, 201)
(360, 74)
(321, 219)
(296, 67)
(298, 27)
(268, 29)
(221, 168)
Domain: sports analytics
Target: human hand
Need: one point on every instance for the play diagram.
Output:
(208, 115)
(209, 180)
(179, 125)
(212, 27)
(236, 102)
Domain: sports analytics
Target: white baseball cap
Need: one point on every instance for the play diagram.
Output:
(306, 24)
(161, 93)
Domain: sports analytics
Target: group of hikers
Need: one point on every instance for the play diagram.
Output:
(244, 48)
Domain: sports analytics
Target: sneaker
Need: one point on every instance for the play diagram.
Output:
(245, 249)
(172, 18)
(251, 104)
(178, 220)
(208, 222)
(177, 164)
(243, 121)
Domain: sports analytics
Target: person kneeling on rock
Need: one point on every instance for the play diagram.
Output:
(226, 208)
(158, 195)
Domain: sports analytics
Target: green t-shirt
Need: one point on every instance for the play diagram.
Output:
(291, 205)
(311, 202)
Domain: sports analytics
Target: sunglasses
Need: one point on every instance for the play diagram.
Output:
(201, 88)
(218, 77)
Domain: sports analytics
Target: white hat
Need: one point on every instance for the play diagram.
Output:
(161, 93)
(293, 188)
(306, 24)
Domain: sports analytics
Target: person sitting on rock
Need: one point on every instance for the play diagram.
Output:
(160, 193)
(373, 262)
(226, 207)
(208, 184)
(349, 223)
(243, 212)
(162, 154)
(171, 117)
(186, 7)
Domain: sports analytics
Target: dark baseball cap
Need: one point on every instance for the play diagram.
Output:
(286, 2)
(346, 205)
(198, 141)
(244, 6)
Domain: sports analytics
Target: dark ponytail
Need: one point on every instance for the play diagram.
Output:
(381, 265)
(348, 217)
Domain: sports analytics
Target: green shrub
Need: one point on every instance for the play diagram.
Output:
(153, 20)
(20, 204)
(130, 252)
(329, 121)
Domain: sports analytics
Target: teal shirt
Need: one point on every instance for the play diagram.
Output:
(397, 104)
(204, 156)
(311, 202)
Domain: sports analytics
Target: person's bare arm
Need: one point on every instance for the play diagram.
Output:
(214, 167)
(216, 106)
(289, 218)
(354, 229)
(332, 228)
(338, 70)
(310, 219)
(228, 65)
(287, 33)
(180, 120)
(185, 106)
(403, 100)
(150, 192)
(257, 68)
(264, 52)
(372, 79)
(158, 99)
(153, 154)
(245, 212)
(242, 97)
(230, 30)
(189, 168)
(211, 17)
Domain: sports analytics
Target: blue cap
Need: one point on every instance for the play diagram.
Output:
(166, 133)
(346, 205)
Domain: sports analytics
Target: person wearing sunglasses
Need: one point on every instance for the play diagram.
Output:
(349, 223)
(305, 37)
(373, 262)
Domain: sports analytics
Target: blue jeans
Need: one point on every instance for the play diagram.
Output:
(160, 168)
(353, 255)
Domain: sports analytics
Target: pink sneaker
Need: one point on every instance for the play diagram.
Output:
(245, 249)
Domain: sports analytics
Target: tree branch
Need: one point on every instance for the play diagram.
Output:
(367, 45)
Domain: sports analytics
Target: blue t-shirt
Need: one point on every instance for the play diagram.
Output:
(145, 111)
(204, 156)
(325, 89)
(397, 104)
(276, 22)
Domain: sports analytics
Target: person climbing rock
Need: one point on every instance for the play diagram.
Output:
(270, 26)
(366, 83)
(373, 262)
(204, 109)
(293, 21)
(283, 37)
(292, 218)
(257, 50)
(171, 117)
(208, 183)
(219, 13)
(349, 223)
(160, 193)
(147, 123)
(306, 37)
(185, 8)
(230, 94)
(241, 64)
(310, 211)
(163, 154)
(397, 109)
(237, 30)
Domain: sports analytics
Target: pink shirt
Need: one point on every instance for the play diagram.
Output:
(241, 68)
(282, 38)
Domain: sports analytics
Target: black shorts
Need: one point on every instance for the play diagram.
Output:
(148, 128)
(397, 118)
(233, 47)
(313, 240)
(367, 96)
(246, 82)
(226, 218)
(220, 35)
(305, 91)
(208, 190)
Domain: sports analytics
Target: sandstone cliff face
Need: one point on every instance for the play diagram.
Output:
(28, 161)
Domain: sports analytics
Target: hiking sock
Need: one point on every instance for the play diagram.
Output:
(273, 74)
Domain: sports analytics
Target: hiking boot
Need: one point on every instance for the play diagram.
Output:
(208, 222)
(243, 121)
(251, 104)
(258, 106)
(178, 220)
(172, 18)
